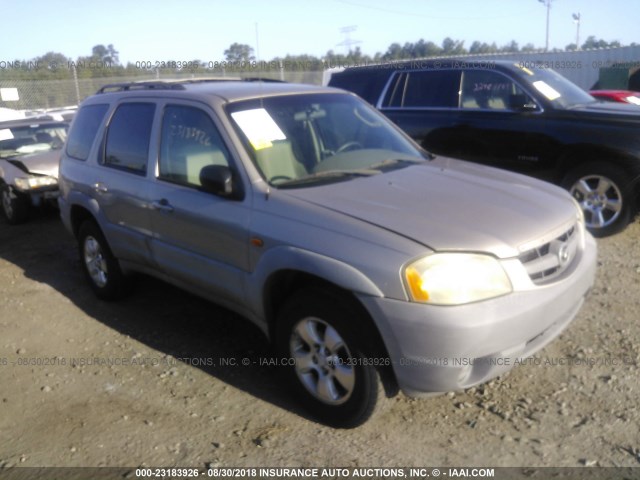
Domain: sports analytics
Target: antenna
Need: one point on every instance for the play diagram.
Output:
(257, 44)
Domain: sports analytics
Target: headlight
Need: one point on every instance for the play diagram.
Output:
(31, 182)
(456, 278)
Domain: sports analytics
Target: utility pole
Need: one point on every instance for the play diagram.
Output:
(576, 20)
(547, 3)
(348, 42)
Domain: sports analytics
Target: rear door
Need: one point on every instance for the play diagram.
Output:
(425, 105)
(119, 183)
(199, 238)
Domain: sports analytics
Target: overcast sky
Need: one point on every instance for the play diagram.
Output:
(152, 30)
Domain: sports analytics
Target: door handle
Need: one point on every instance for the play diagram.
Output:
(163, 205)
(100, 187)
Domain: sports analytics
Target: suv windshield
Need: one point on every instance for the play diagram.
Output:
(555, 88)
(23, 140)
(305, 139)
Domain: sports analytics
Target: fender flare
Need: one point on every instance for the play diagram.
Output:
(328, 269)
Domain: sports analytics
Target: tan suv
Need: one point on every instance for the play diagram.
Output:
(365, 260)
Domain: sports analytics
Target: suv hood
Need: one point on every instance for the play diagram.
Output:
(45, 163)
(608, 111)
(453, 205)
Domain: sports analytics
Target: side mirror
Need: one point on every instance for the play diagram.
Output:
(522, 103)
(217, 179)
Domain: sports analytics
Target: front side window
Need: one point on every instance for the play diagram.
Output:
(190, 142)
(128, 136)
(425, 89)
(84, 130)
(487, 90)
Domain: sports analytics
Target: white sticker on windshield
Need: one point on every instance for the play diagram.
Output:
(547, 90)
(259, 127)
(5, 134)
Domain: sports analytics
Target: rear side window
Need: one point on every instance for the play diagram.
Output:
(128, 136)
(84, 130)
(435, 88)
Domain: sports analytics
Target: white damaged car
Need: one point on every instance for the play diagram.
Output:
(29, 156)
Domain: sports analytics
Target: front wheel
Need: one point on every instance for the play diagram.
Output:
(14, 206)
(328, 370)
(605, 194)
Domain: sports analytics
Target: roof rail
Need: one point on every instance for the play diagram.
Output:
(149, 85)
(177, 84)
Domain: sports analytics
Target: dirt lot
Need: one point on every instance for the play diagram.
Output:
(575, 404)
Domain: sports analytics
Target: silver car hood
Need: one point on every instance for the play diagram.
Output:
(452, 205)
(45, 163)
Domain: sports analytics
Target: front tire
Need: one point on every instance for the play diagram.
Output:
(100, 266)
(605, 194)
(14, 205)
(322, 336)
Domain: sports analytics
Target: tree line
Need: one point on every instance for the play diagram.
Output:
(104, 60)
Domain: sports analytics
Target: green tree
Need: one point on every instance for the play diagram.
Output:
(239, 52)
(592, 42)
(477, 47)
(511, 47)
(453, 47)
(106, 54)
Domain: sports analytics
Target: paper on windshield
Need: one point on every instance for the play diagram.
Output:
(5, 134)
(259, 127)
(546, 89)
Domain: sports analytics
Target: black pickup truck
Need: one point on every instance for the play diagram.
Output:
(518, 116)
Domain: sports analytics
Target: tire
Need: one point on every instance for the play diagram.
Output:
(605, 193)
(324, 335)
(14, 205)
(98, 263)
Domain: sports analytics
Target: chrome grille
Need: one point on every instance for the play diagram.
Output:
(548, 261)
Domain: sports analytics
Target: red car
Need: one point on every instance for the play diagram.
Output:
(622, 96)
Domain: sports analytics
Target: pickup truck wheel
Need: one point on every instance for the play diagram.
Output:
(325, 363)
(100, 266)
(605, 194)
(14, 206)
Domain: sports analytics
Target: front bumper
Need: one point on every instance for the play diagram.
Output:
(40, 195)
(445, 348)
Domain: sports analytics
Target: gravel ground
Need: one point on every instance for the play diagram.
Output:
(574, 404)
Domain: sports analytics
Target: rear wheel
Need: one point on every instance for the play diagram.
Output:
(328, 369)
(100, 266)
(605, 194)
(14, 205)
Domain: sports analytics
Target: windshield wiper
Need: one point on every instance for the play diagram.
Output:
(328, 175)
(394, 162)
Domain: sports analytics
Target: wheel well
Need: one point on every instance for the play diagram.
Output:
(584, 155)
(78, 216)
(285, 283)
(581, 155)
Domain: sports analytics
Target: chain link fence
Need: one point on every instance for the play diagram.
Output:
(38, 95)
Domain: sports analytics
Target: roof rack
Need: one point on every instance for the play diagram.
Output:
(123, 87)
(177, 84)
